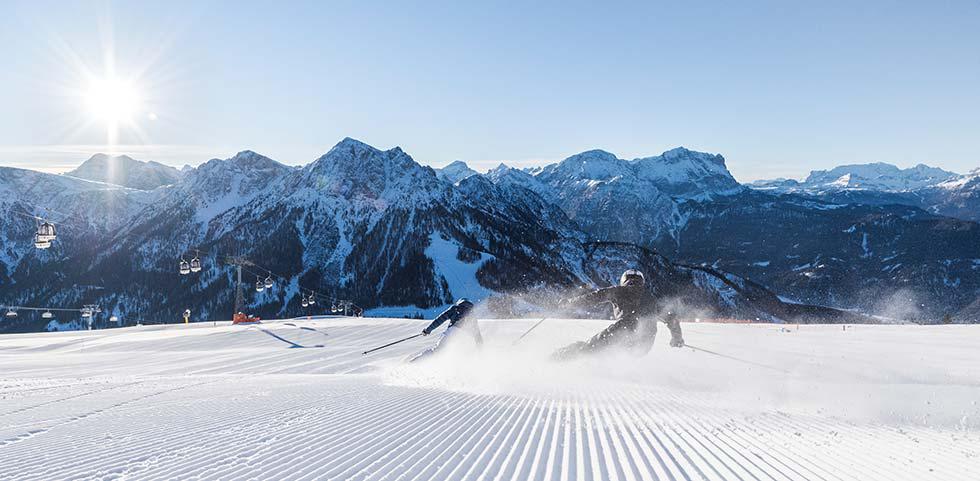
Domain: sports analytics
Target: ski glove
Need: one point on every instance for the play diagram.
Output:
(677, 342)
(425, 332)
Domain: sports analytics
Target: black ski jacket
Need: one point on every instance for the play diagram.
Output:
(456, 315)
(634, 310)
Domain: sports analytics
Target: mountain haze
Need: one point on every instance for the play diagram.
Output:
(126, 172)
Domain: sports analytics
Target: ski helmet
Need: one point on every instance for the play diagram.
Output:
(464, 302)
(632, 277)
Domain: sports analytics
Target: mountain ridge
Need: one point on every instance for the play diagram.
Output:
(380, 228)
(930, 188)
(126, 171)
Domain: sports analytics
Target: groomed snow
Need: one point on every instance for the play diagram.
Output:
(267, 402)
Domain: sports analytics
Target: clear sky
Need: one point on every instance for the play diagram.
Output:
(780, 88)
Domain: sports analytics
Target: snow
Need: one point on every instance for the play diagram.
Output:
(865, 246)
(708, 282)
(680, 172)
(56, 325)
(960, 182)
(264, 402)
(590, 165)
(212, 208)
(222, 185)
(876, 176)
(461, 276)
(125, 171)
(695, 175)
(455, 172)
(879, 176)
(843, 181)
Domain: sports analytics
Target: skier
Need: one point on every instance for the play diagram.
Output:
(459, 319)
(633, 305)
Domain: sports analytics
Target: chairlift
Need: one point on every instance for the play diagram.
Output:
(47, 315)
(333, 309)
(312, 299)
(195, 264)
(268, 282)
(46, 232)
(11, 313)
(41, 242)
(86, 313)
(305, 303)
(185, 268)
(259, 285)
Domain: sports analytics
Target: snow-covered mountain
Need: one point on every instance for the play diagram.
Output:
(455, 171)
(609, 200)
(847, 247)
(688, 174)
(219, 185)
(869, 257)
(83, 212)
(637, 201)
(188, 212)
(377, 227)
(958, 197)
(126, 172)
(879, 177)
(932, 189)
(364, 224)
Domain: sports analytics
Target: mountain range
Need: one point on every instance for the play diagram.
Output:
(377, 227)
(935, 190)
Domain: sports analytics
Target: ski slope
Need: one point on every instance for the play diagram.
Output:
(297, 400)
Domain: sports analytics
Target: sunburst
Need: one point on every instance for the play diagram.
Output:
(107, 94)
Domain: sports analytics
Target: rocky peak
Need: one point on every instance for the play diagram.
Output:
(126, 171)
(877, 176)
(588, 165)
(455, 172)
(353, 169)
(687, 173)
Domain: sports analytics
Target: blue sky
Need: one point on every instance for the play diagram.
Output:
(780, 88)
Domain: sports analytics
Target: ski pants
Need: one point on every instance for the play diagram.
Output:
(630, 335)
(449, 337)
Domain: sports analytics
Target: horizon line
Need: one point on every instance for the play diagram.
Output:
(175, 155)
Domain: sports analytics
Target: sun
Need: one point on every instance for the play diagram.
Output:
(107, 93)
(113, 100)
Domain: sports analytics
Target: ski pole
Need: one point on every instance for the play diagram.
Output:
(390, 344)
(536, 324)
(735, 358)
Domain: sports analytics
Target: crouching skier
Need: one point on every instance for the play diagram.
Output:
(633, 308)
(460, 322)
